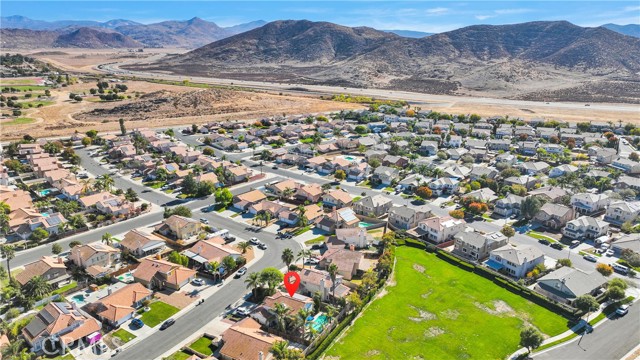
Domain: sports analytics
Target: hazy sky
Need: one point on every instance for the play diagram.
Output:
(429, 16)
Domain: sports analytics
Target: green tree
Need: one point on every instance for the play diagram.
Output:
(530, 207)
(586, 303)
(333, 274)
(39, 234)
(74, 244)
(565, 262)
(56, 249)
(107, 239)
(253, 281)
(208, 151)
(178, 210)
(272, 277)
(304, 254)
(244, 246)
(229, 263)
(37, 288)
(189, 185)
(618, 283)
(8, 252)
(224, 196)
(615, 293)
(106, 182)
(123, 130)
(508, 231)
(131, 195)
(92, 134)
(287, 257)
(86, 141)
(340, 175)
(280, 349)
(531, 338)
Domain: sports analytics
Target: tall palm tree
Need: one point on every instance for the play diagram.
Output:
(304, 254)
(107, 182)
(281, 311)
(13, 349)
(253, 282)
(302, 219)
(258, 218)
(288, 192)
(287, 257)
(244, 246)
(87, 185)
(301, 318)
(9, 253)
(107, 239)
(36, 288)
(267, 218)
(333, 273)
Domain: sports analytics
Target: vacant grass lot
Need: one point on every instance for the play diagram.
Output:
(159, 312)
(19, 121)
(439, 311)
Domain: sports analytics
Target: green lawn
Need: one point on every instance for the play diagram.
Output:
(65, 288)
(203, 346)
(178, 355)
(154, 184)
(539, 236)
(316, 240)
(159, 312)
(301, 231)
(11, 82)
(19, 121)
(439, 311)
(123, 335)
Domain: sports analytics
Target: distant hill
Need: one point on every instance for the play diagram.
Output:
(409, 33)
(631, 29)
(507, 60)
(191, 33)
(84, 37)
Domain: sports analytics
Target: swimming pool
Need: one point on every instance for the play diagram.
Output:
(45, 192)
(318, 322)
(350, 158)
(364, 224)
(126, 278)
(45, 214)
(78, 299)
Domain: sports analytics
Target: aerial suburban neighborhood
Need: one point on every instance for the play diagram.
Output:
(319, 180)
(125, 234)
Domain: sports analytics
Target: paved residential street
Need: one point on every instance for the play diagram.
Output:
(609, 341)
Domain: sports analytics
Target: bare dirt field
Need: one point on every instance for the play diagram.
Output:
(159, 105)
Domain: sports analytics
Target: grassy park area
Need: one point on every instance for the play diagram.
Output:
(436, 310)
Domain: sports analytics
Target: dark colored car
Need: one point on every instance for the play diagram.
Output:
(544, 242)
(557, 246)
(167, 323)
(137, 323)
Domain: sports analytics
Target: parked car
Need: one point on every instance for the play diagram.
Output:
(544, 242)
(137, 323)
(590, 257)
(254, 241)
(241, 272)
(313, 261)
(609, 252)
(242, 311)
(574, 244)
(167, 323)
(620, 269)
(262, 246)
(557, 246)
(622, 310)
(102, 347)
(197, 282)
(317, 246)
(204, 221)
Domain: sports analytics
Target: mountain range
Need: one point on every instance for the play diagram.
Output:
(630, 29)
(507, 60)
(18, 32)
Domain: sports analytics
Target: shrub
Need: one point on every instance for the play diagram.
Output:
(12, 313)
(604, 269)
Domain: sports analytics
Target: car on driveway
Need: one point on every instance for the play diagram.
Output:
(137, 323)
(590, 257)
(313, 261)
(241, 272)
(167, 323)
(544, 242)
(197, 282)
(622, 310)
(254, 241)
(242, 311)
(557, 246)
(102, 347)
(609, 252)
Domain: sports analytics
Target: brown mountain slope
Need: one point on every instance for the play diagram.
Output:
(507, 60)
(25, 39)
(95, 39)
(191, 33)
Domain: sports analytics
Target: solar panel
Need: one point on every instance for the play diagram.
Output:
(348, 215)
(47, 317)
(54, 220)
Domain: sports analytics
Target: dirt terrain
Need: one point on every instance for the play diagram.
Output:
(160, 105)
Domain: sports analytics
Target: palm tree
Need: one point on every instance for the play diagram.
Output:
(253, 282)
(304, 254)
(36, 288)
(287, 257)
(287, 193)
(244, 246)
(107, 239)
(258, 218)
(333, 273)
(302, 219)
(106, 182)
(9, 253)
(267, 218)
(281, 311)
(13, 349)
(280, 350)
(302, 316)
(87, 185)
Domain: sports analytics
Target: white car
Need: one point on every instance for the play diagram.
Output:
(622, 310)
(242, 311)
(254, 241)
(313, 261)
(609, 252)
(102, 347)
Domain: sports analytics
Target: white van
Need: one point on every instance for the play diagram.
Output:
(620, 269)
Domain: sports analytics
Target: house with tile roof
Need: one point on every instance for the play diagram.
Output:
(50, 222)
(348, 260)
(141, 243)
(310, 192)
(96, 258)
(265, 313)
(377, 205)
(161, 274)
(204, 252)
(318, 281)
(119, 306)
(243, 201)
(179, 227)
(59, 320)
(51, 269)
(338, 198)
(246, 340)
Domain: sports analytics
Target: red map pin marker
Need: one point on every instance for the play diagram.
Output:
(291, 282)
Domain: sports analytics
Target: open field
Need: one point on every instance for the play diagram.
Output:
(439, 311)
(62, 116)
(18, 121)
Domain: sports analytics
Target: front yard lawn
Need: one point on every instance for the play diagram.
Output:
(539, 236)
(159, 312)
(439, 311)
(66, 356)
(178, 355)
(316, 240)
(301, 231)
(203, 346)
(70, 286)
(123, 335)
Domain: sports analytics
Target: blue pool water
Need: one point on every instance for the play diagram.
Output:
(45, 192)
(350, 158)
(319, 322)
(78, 299)
(45, 214)
(364, 224)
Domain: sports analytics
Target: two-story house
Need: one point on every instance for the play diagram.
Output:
(619, 212)
(385, 175)
(515, 261)
(338, 198)
(475, 245)
(140, 243)
(405, 218)
(444, 186)
(161, 274)
(585, 227)
(96, 258)
(373, 206)
(52, 270)
(438, 229)
(179, 227)
(119, 306)
(589, 204)
(554, 216)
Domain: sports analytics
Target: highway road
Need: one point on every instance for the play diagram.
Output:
(114, 69)
(609, 341)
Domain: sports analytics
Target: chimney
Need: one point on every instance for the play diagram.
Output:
(352, 247)
(109, 291)
(260, 355)
(60, 260)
